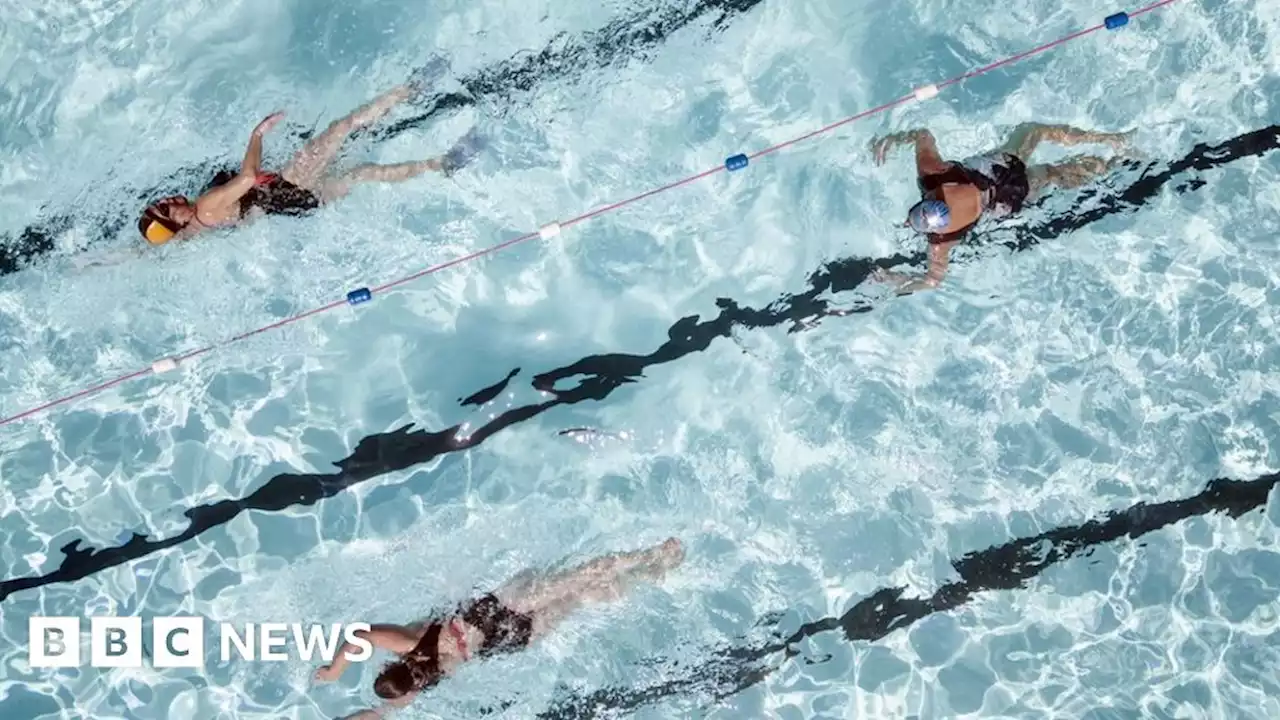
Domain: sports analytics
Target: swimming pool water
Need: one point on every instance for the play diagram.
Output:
(810, 470)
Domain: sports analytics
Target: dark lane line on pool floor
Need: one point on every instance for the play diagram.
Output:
(623, 40)
(598, 376)
(726, 671)
(633, 37)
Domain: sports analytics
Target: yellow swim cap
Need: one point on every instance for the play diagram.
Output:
(156, 225)
(156, 233)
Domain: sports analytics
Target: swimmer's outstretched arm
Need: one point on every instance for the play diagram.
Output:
(928, 160)
(230, 193)
(939, 259)
(394, 638)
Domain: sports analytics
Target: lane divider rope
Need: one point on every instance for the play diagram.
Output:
(734, 163)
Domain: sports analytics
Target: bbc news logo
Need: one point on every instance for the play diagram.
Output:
(179, 642)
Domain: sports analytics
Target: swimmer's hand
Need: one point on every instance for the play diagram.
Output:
(906, 284)
(267, 123)
(927, 158)
(881, 146)
(328, 673)
(388, 637)
(888, 276)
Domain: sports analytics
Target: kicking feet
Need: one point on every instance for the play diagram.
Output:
(1119, 141)
(1122, 144)
(462, 152)
(672, 553)
(662, 559)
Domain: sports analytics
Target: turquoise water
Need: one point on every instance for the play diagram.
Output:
(1127, 361)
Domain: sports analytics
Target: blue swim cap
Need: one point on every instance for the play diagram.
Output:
(929, 216)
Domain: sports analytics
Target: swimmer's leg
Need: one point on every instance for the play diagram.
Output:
(1025, 138)
(338, 187)
(462, 153)
(308, 167)
(1069, 174)
(552, 598)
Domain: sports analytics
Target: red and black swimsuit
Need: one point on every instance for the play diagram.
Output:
(272, 195)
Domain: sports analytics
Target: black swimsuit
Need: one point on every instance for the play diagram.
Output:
(273, 195)
(504, 629)
(1000, 177)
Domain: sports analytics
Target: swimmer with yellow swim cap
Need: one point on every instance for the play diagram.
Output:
(304, 184)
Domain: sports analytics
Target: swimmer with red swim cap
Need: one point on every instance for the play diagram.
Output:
(305, 183)
(956, 195)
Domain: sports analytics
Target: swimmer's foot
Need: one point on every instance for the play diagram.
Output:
(672, 553)
(1122, 143)
(463, 152)
(428, 74)
(662, 559)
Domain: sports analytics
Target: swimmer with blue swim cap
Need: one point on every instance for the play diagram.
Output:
(305, 183)
(956, 195)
